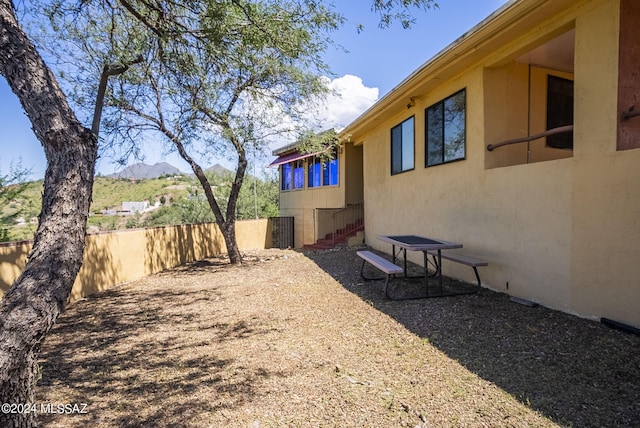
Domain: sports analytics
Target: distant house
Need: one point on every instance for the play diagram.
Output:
(135, 207)
(519, 140)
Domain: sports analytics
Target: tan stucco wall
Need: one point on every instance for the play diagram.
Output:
(13, 258)
(322, 197)
(506, 111)
(114, 258)
(606, 194)
(304, 219)
(605, 250)
(303, 204)
(629, 83)
(561, 232)
(354, 174)
(324, 222)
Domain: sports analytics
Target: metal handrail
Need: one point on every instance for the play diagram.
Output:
(548, 133)
(350, 215)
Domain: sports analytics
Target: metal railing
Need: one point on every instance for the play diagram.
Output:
(347, 220)
(548, 133)
(282, 232)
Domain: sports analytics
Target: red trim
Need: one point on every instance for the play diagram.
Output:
(290, 157)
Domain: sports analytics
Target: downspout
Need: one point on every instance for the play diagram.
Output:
(529, 114)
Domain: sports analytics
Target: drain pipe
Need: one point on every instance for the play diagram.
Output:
(529, 115)
(620, 326)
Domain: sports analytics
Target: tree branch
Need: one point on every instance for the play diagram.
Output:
(107, 71)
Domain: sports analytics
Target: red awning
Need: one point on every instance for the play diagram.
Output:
(290, 157)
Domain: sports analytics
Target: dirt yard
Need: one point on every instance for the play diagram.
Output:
(296, 339)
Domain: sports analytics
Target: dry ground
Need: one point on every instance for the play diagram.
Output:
(298, 339)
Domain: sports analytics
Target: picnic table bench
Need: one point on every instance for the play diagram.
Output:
(462, 259)
(381, 263)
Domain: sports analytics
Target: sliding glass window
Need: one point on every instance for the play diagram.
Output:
(285, 177)
(402, 147)
(298, 175)
(446, 130)
(323, 173)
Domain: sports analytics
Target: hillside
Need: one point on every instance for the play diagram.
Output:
(179, 199)
(109, 193)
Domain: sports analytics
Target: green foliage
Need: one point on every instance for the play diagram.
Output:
(133, 221)
(167, 215)
(391, 11)
(194, 208)
(12, 199)
(257, 198)
(323, 143)
(109, 192)
(207, 66)
(184, 203)
(102, 223)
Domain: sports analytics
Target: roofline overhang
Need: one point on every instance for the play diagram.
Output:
(296, 145)
(284, 149)
(472, 46)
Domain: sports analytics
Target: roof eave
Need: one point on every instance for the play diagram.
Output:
(451, 59)
(295, 145)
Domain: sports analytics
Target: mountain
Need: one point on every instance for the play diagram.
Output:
(219, 169)
(142, 170)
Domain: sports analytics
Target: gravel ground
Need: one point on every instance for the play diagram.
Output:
(298, 339)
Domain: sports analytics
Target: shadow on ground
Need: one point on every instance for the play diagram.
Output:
(147, 346)
(574, 371)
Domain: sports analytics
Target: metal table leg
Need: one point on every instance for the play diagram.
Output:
(426, 273)
(439, 270)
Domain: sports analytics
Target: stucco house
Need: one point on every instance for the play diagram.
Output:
(520, 141)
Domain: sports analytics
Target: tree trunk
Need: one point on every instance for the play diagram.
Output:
(31, 306)
(228, 229)
(227, 225)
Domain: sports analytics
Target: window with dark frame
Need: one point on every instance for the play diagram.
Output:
(402, 146)
(298, 174)
(286, 177)
(314, 175)
(559, 111)
(445, 130)
(323, 173)
(330, 173)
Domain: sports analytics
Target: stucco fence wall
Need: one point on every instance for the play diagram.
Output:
(117, 257)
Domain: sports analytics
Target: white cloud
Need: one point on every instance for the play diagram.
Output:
(349, 100)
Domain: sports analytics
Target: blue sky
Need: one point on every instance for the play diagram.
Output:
(379, 58)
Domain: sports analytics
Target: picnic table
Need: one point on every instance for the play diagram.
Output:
(428, 246)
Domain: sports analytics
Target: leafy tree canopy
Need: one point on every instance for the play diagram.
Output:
(211, 78)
